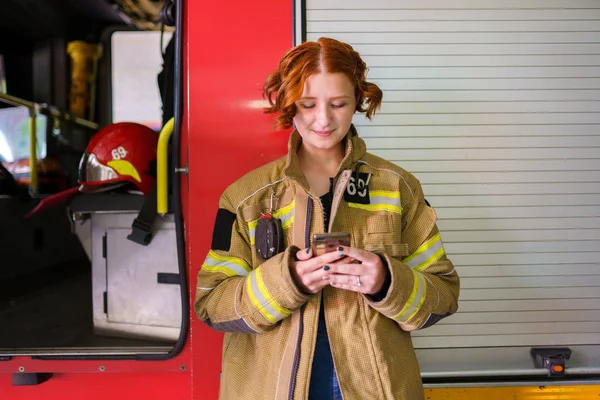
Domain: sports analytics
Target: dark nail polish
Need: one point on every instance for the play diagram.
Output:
(308, 250)
(326, 268)
(340, 248)
(342, 255)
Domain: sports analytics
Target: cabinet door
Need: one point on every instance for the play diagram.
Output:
(134, 294)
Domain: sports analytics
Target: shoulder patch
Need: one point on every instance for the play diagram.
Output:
(221, 239)
(357, 190)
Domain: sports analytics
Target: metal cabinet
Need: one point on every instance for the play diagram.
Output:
(135, 288)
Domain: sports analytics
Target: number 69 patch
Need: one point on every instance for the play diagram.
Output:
(357, 190)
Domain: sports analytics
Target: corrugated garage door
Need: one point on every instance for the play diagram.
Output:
(494, 106)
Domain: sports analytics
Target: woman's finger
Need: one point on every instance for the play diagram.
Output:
(349, 282)
(358, 254)
(346, 269)
(315, 263)
(315, 280)
(330, 257)
(304, 254)
(346, 260)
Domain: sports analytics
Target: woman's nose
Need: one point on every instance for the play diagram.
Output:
(323, 115)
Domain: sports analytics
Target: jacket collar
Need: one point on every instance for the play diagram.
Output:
(355, 150)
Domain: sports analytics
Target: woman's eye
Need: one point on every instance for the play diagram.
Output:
(338, 105)
(307, 106)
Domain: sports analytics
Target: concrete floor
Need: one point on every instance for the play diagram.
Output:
(52, 308)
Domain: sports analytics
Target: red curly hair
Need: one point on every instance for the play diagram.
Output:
(285, 86)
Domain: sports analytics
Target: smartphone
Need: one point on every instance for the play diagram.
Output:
(326, 242)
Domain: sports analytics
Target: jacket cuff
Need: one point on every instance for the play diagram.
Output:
(385, 288)
(401, 281)
(280, 281)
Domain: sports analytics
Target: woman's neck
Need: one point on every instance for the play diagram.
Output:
(318, 166)
(319, 161)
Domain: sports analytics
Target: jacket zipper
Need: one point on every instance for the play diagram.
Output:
(309, 212)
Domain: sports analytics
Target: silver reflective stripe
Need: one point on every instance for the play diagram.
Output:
(381, 200)
(385, 197)
(230, 266)
(416, 299)
(427, 254)
(287, 218)
(262, 299)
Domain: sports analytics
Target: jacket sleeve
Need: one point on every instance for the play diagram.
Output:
(232, 295)
(424, 286)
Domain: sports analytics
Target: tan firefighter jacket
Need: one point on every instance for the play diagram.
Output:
(271, 326)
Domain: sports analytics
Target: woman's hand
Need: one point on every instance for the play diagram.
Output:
(367, 277)
(309, 272)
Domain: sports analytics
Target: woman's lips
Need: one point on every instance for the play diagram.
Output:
(323, 133)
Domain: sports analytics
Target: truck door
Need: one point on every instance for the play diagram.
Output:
(493, 107)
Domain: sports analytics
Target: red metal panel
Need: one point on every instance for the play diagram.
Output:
(178, 364)
(231, 51)
(228, 52)
(102, 386)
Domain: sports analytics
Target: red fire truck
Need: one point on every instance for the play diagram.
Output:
(492, 104)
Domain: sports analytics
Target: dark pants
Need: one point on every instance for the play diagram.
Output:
(323, 380)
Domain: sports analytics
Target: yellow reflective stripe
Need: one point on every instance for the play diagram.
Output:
(285, 214)
(377, 207)
(416, 299)
(223, 270)
(431, 260)
(262, 299)
(261, 286)
(384, 193)
(381, 200)
(252, 230)
(255, 301)
(288, 223)
(235, 260)
(285, 210)
(230, 266)
(427, 254)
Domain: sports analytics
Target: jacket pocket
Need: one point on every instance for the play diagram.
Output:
(384, 234)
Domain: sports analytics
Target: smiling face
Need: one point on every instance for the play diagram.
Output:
(324, 111)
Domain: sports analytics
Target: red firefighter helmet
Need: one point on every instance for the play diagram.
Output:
(117, 154)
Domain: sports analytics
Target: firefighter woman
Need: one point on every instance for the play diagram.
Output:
(336, 325)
